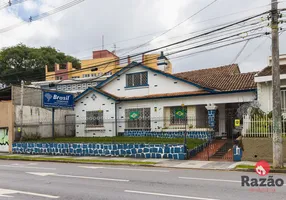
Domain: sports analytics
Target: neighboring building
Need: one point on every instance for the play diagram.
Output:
(143, 98)
(67, 72)
(264, 86)
(98, 61)
(37, 121)
(77, 85)
(70, 80)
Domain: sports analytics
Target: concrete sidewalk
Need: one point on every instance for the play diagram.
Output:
(183, 164)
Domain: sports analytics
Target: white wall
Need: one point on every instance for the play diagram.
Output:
(264, 94)
(221, 110)
(160, 104)
(158, 84)
(39, 120)
(101, 102)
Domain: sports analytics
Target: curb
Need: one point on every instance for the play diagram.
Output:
(80, 162)
(283, 171)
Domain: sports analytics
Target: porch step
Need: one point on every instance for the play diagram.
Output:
(223, 150)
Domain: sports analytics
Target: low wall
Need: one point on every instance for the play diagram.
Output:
(174, 134)
(256, 149)
(94, 149)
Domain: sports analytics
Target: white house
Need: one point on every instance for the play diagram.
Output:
(139, 98)
(264, 85)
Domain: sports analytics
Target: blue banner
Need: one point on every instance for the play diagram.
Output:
(57, 100)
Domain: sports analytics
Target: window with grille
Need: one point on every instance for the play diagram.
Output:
(138, 118)
(94, 118)
(178, 115)
(283, 99)
(137, 79)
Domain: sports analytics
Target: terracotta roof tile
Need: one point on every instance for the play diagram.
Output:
(267, 71)
(225, 78)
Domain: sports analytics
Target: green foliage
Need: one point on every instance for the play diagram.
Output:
(26, 63)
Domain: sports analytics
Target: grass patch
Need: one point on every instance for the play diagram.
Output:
(71, 160)
(250, 167)
(191, 143)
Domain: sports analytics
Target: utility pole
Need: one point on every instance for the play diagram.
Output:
(277, 130)
(22, 104)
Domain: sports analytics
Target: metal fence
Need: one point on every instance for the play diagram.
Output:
(260, 126)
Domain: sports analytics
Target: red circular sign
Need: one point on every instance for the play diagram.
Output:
(262, 168)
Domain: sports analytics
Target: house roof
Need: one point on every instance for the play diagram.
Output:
(133, 64)
(267, 71)
(224, 78)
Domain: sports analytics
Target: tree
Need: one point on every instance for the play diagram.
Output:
(26, 63)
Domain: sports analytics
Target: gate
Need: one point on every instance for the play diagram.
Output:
(220, 147)
(70, 125)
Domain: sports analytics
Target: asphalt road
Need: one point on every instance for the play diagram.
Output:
(43, 180)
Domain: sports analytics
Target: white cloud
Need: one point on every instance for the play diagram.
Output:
(30, 5)
(80, 28)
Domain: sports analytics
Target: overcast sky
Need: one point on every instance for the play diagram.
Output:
(78, 30)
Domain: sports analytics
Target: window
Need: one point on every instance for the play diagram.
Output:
(86, 75)
(75, 77)
(59, 78)
(178, 115)
(138, 118)
(109, 73)
(100, 74)
(136, 79)
(283, 99)
(94, 118)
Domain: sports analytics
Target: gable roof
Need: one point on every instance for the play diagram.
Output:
(134, 64)
(224, 78)
(267, 71)
(92, 89)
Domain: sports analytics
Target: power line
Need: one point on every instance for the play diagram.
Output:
(169, 45)
(11, 3)
(256, 48)
(183, 50)
(214, 48)
(203, 21)
(239, 53)
(189, 55)
(173, 26)
(42, 15)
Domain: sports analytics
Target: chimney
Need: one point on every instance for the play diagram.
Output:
(162, 62)
(129, 60)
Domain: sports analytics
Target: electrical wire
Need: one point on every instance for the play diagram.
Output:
(255, 49)
(6, 5)
(173, 44)
(193, 15)
(240, 52)
(195, 47)
(185, 56)
(199, 22)
(42, 15)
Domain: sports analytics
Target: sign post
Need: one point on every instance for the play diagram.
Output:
(54, 100)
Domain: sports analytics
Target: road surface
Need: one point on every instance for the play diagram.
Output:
(45, 180)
